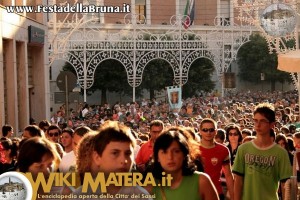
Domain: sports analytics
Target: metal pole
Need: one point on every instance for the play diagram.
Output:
(222, 67)
(298, 88)
(298, 74)
(67, 98)
(179, 20)
(134, 56)
(84, 67)
(222, 84)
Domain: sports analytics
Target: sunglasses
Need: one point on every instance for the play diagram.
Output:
(208, 130)
(233, 134)
(53, 134)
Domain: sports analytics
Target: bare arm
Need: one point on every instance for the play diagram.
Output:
(207, 189)
(238, 187)
(282, 184)
(229, 179)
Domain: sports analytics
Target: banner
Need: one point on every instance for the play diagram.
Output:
(174, 97)
(229, 80)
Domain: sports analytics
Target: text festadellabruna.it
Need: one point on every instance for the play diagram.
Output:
(68, 8)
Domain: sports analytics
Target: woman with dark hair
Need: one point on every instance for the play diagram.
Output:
(32, 131)
(235, 138)
(44, 125)
(281, 140)
(38, 155)
(172, 156)
(9, 151)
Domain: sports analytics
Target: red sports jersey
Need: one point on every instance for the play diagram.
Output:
(213, 159)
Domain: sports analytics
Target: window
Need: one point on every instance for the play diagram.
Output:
(140, 10)
(224, 13)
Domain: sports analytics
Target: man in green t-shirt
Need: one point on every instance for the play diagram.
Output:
(260, 165)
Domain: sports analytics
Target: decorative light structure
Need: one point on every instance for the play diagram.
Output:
(85, 41)
(277, 21)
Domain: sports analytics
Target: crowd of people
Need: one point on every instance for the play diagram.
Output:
(245, 141)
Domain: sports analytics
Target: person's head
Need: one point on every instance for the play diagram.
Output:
(32, 131)
(296, 138)
(9, 149)
(246, 132)
(233, 133)
(292, 128)
(208, 129)
(220, 136)
(290, 144)
(193, 133)
(7, 131)
(79, 132)
(264, 118)
(171, 154)
(281, 140)
(284, 130)
(156, 127)
(44, 125)
(53, 133)
(67, 138)
(112, 149)
(37, 155)
(248, 138)
(84, 153)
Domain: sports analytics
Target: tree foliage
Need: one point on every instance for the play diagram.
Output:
(199, 78)
(254, 59)
(111, 76)
(156, 76)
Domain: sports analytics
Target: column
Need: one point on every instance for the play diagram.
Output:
(11, 83)
(22, 74)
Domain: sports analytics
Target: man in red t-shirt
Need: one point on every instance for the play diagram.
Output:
(215, 156)
(146, 150)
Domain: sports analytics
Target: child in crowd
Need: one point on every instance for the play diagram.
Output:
(172, 156)
(109, 150)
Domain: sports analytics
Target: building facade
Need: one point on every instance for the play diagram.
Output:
(24, 71)
(28, 82)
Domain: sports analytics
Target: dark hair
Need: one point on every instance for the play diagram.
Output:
(112, 131)
(32, 150)
(281, 137)
(290, 144)
(82, 130)
(267, 110)
(194, 147)
(5, 129)
(247, 132)
(292, 128)
(34, 131)
(43, 124)
(54, 127)
(221, 133)
(8, 144)
(234, 127)
(69, 131)
(163, 142)
(156, 123)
